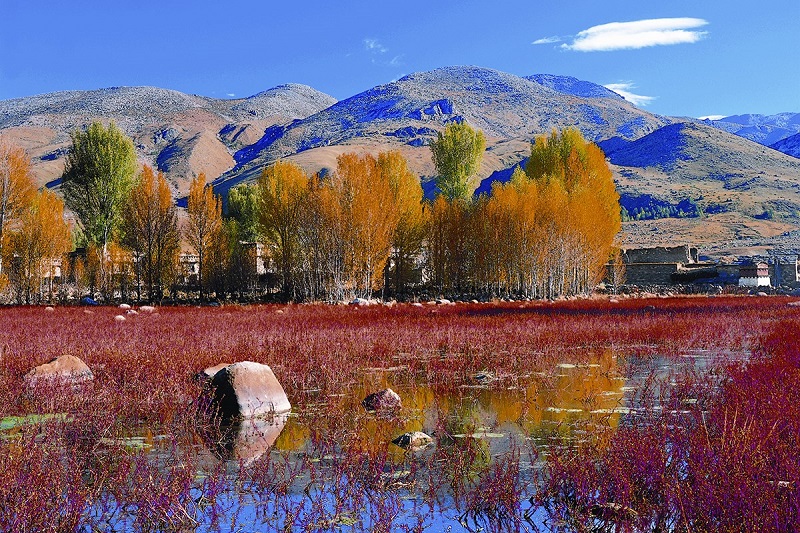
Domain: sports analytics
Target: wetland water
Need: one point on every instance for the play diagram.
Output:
(330, 465)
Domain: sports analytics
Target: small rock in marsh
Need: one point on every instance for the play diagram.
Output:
(413, 441)
(49, 309)
(119, 318)
(382, 401)
(613, 512)
(359, 301)
(65, 369)
(131, 312)
(124, 307)
(417, 304)
(147, 309)
(443, 301)
(483, 377)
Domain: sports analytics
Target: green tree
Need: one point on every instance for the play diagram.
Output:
(457, 154)
(97, 177)
(242, 206)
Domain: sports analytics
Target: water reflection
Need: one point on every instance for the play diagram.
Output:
(568, 399)
(562, 403)
(245, 440)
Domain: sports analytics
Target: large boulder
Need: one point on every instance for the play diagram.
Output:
(66, 369)
(247, 390)
(383, 401)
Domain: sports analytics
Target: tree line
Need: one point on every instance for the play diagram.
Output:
(362, 230)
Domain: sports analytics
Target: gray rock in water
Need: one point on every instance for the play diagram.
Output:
(413, 441)
(247, 390)
(382, 401)
(66, 369)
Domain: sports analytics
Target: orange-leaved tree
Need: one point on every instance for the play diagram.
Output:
(151, 231)
(590, 219)
(16, 188)
(409, 233)
(203, 229)
(281, 193)
(40, 242)
(367, 203)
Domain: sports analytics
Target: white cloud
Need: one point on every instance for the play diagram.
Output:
(374, 45)
(624, 90)
(712, 117)
(231, 94)
(547, 40)
(637, 34)
(377, 53)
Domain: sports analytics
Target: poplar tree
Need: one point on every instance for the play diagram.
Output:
(98, 175)
(151, 230)
(281, 190)
(16, 188)
(409, 234)
(457, 154)
(42, 238)
(204, 225)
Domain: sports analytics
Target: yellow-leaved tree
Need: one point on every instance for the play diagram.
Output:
(370, 216)
(38, 245)
(409, 233)
(574, 173)
(203, 229)
(282, 189)
(16, 189)
(151, 231)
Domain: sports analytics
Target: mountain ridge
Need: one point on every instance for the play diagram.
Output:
(747, 195)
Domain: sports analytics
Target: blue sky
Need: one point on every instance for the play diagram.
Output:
(691, 58)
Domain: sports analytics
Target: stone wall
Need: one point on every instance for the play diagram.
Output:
(660, 254)
(650, 273)
(785, 273)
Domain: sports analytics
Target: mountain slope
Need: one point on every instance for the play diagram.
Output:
(408, 112)
(749, 194)
(181, 134)
(789, 145)
(763, 129)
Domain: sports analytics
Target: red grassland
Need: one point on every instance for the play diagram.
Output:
(742, 422)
